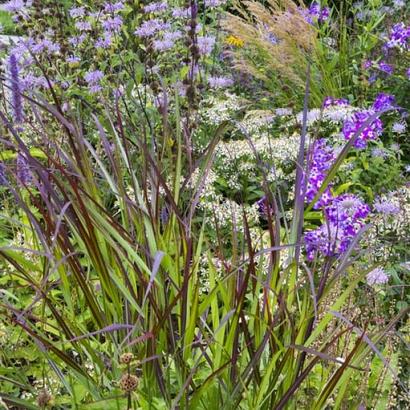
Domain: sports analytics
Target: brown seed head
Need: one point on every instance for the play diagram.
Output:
(128, 383)
(126, 358)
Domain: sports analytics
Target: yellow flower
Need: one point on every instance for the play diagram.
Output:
(235, 41)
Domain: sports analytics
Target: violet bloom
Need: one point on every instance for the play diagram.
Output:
(399, 36)
(384, 101)
(156, 7)
(163, 45)
(105, 41)
(114, 7)
(181, 13)
(330, 101)
(31, 82)
(172, 35)
(23, 172)
(15, 89)
(370, 132)
(77, 40)
(76, 12)
(322, 157)
(150, 27)
(206, 45)
(408, 73)
(220, 82)
(344, 218)
(94, 77)
(316, 13)
(377, 277)
(83, 25)
(112, 24)
(95, 88)
(3, 177)
(385, 207)
(399, 127)
(367, 64)
(379, 152)
(14, 6)
(386, 68)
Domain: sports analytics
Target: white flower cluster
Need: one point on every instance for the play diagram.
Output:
(334, 114)
(226, 213)
(204, 184)
(204, 274)
(390, 224)
(215, 110)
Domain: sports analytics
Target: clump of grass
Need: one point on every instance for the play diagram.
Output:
(278, 44)
(108, 276)
(6, 23)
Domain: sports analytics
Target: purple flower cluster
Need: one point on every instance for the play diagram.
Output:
(76, 12)
(344, 217)
(321, 159)
(316, 13)
(385, 68)
(150, 27)
(330, 101)
(83, 25)
(93, 79)
(377, 277)
(220, 82)
(162, 45)
(105, 41)
(181, 13)
(384, 101)
(385, 207)
(399, 36)
(14, 6)
(370, 132)
(206, 45)
(156, 7)
(114, 7)
(112, 24)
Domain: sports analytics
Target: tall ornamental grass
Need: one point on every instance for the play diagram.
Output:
(109, 248)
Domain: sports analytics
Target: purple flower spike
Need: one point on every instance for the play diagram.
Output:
(370, 132)
(384, 101)
(322, 158)
(399, 36)
(3, 177)
(16, 89)
(23, 170)
(344, 218)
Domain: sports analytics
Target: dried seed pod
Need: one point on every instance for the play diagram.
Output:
(126, 358)
(128, 383)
